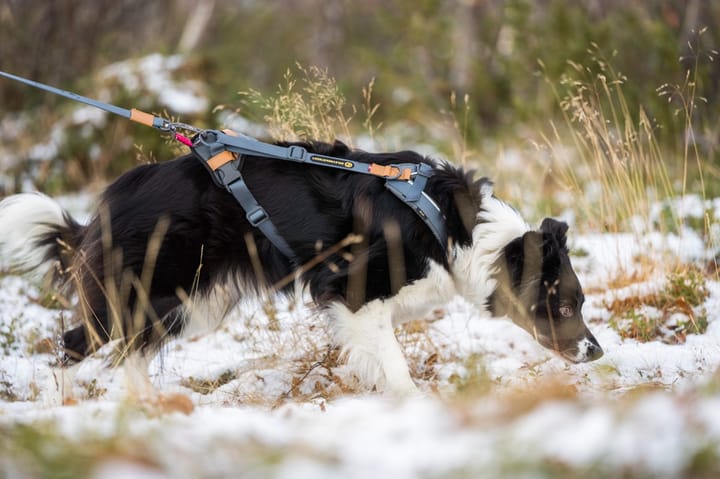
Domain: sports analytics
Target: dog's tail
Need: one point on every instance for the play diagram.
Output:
(37, 235)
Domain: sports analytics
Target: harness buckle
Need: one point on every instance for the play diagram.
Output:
(227, 174)
(257, 216)
(296, 153)
(425, 170)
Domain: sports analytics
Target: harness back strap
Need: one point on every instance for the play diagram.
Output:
(244, 145)
(220, 152)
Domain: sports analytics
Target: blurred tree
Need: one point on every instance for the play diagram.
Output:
(420, 51)
(61, 41)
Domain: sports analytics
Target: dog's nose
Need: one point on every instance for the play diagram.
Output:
(594, 350)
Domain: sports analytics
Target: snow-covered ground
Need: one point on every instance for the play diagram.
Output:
(263, 395)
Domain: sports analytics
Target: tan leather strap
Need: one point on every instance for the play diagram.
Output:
(142, 117)
(389, 171)
(223, 157)
(220, 159)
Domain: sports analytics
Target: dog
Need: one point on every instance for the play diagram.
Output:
(167, 248)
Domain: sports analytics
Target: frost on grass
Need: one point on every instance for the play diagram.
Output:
(266, 394)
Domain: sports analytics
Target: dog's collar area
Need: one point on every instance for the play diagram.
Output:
(222, 154)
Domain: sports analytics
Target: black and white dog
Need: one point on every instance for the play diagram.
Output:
(167, 247)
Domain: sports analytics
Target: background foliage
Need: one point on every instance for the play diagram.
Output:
(507, 64)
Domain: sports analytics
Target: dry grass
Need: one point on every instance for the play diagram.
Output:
(642, 269)
(668, 315)
(617, 169)
(615, 155)
(460, 121)
(312, 108)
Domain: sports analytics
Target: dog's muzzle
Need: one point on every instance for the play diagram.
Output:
(586, 350)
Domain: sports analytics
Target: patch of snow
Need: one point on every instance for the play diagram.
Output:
(266, 403)
(154, 74)
(240, 124)
(89, 115)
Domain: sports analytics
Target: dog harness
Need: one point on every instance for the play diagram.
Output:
(222, 154)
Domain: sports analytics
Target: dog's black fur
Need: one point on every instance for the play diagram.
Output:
(165, 232)
(313, 208)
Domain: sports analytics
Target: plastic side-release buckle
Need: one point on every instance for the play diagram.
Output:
(227, 174)
(257, 216)
(296, 153)
(425, 170)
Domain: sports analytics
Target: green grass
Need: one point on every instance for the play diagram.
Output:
(9, 335)
(476, 382)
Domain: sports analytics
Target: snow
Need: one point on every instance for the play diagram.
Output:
(256, 397)
(154, 74)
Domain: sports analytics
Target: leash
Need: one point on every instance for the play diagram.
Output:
(221, 152)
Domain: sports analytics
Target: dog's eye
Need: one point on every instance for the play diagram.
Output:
(566, 310)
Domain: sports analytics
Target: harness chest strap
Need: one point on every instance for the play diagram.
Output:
(221, 153)
(257, 216)
(226, 171)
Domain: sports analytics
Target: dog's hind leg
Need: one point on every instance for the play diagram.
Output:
(368, 342)
(137, 376)
(57, 389)
(75, 343)
(144, 329)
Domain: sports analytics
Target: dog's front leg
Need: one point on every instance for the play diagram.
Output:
(369, 344)
(417, 299)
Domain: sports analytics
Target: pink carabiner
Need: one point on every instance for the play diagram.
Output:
(183, 139)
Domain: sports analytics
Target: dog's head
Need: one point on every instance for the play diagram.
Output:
(538, 289)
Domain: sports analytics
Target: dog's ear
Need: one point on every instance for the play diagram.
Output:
(484, 189)
(523, 257)
(467, 210)
(468, 200)
(555, 228)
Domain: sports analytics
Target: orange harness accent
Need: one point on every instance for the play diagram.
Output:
(220, 159)
(387, 171)
(141, 117)
(224, 156)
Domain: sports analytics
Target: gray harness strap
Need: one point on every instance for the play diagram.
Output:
(412, 194)
(256, 214)
(229, 176)
(219, 152)
(406, 180)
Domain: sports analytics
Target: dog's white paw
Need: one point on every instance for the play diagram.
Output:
(406, 389)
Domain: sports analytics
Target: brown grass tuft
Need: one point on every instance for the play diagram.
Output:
(658, 315)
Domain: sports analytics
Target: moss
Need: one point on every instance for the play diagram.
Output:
(207, 386)
(476, 381)
(39, 450)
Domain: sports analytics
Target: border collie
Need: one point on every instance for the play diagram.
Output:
(167, 247)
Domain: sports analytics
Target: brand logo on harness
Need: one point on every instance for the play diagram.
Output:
(333, 162)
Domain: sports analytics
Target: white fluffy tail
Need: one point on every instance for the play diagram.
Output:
(25, 221)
